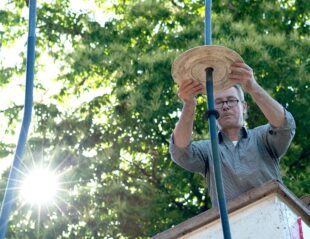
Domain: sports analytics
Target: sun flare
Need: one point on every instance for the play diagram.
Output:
(40, 187)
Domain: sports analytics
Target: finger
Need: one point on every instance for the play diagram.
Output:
(186, 82)
(241, 65)
(192, 89)
(238, 63)
(197, 89)
(197, 92)
(239, 77)
(242, 74)
(189, 85)
(239, 70)
(235, 81)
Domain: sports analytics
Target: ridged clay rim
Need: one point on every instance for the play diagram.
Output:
(192, 64)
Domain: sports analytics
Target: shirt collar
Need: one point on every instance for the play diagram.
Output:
(243, 134)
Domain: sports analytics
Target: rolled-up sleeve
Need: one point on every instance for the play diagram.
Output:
(278, 139)
(192, 158)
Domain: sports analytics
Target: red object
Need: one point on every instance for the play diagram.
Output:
(296, 230)
(301, 236)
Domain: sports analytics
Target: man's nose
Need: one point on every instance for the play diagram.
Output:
(225, 106)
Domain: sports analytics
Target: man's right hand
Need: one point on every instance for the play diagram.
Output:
(188, 91)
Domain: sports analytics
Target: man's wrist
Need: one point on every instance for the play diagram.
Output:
(253, 88)
(189, 110)
(191, 106)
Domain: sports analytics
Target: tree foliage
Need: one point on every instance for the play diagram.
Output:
(103, 122)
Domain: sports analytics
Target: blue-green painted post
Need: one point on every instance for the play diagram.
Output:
(212, 128)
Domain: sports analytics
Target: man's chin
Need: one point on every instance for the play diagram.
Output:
(227, 126)
(227, 121)
(227, 117)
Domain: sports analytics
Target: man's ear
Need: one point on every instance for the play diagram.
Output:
(245, 110)
(245, 106)
(218, 127)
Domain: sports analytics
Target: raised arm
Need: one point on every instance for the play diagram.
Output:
(242, 74)
(182, 133)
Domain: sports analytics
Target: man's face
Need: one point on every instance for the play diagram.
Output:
(231, 111)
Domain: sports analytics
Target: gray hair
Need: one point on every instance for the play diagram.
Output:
(241, 97)
(240, 92)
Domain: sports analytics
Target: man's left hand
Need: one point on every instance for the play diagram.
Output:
(241, 73)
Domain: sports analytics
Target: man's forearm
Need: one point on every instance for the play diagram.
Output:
(182, 133)
(272, 109)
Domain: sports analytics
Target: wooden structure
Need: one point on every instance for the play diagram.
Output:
(270, 211)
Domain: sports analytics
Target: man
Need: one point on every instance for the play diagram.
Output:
(248, 157)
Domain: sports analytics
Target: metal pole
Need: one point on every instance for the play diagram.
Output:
(10, 191)
(216, 161)
(212, 129)
(208, 25)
